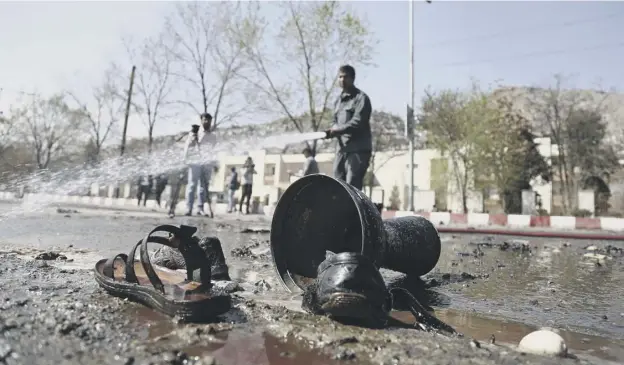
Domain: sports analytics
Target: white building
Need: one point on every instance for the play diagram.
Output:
(434, 187)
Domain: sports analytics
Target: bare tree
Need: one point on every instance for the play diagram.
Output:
(48, 127)
(154, 82)
(11, 161)
(208, 56)
(102, 115)
(6, 127)
(317, 37)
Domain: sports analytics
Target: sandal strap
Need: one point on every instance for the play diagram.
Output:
(420, 312)
(109, 266)
(194, 257)
(130, 273)
(145, 260)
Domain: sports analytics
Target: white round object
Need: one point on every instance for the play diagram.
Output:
(543, 342)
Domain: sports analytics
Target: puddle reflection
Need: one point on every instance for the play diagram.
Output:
(554, 283)
(509, 332)
(235, 347)
(259, 349)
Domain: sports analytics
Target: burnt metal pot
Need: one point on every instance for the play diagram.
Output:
(318, 213)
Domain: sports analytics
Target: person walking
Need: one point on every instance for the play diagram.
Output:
(196, 183)
(159, 187)
(248, 173)
(143, 188)
(232, 185)
(352, 131)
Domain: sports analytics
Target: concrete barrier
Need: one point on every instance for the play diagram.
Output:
(517, 221)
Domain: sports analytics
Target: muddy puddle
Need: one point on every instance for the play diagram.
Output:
(230, 342)
(547, 283)
(480, 285)
(508, 332)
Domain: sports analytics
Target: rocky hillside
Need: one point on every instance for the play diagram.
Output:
(523, 98)
(253, 132)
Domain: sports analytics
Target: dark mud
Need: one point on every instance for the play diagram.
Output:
(56, 316)
(53, 311)
(566, 284)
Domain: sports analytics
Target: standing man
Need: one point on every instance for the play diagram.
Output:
(248, 172)
(352, 130)
(196, 172)
(232, 185)
(144, 188)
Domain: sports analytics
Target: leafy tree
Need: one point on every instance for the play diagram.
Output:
(511, 157)
(585, 134)
(315, 38)
(456, 124)
(573, 120)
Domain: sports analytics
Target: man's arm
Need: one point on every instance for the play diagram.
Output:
(361, 114)
(189, 142)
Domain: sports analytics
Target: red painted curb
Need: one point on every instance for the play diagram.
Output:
(544, 234)
(512, 225)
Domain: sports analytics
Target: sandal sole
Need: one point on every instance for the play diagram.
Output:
(188, 311)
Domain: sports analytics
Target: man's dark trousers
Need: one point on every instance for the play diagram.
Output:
(351, 167)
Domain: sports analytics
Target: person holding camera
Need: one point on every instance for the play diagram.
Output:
(197, 177)
(248, 173)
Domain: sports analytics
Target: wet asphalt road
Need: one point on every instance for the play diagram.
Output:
(481, 290)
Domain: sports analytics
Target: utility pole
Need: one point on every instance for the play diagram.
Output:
(409, 123)
(126, 116)
(128, 103)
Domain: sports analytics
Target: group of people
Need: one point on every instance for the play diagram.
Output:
(148, 185)
(245, 184)
(350, 128)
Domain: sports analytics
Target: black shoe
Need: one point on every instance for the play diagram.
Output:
(349, 286)
(214, 252)
(211, 246)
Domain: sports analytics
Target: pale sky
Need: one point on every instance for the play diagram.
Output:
(51, 46)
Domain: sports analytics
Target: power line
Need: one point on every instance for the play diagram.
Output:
(518, 30)
(533, 55)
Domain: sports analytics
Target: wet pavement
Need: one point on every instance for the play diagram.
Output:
(482, 286)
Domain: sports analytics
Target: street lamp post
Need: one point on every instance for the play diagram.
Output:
(410, 110)
(410, 121)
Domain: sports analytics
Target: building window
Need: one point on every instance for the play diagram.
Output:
(269, 170)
